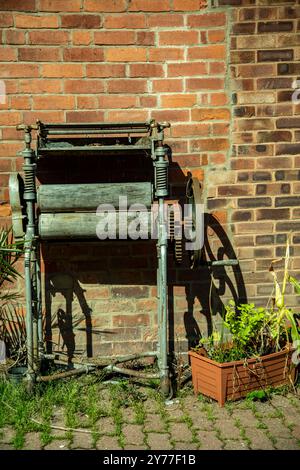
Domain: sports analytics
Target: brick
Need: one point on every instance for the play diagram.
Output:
(188, 5)
(287, 201)
(18, 70)
(59, 5)
(207, 114)
(84, 86)
(80, 21)
(276, 55)
(7, 54)
(209, 144)
(254, 202)
(146, 70)
(274, 26)
(256, 70)
(38, 54)
(105, 6)
(9, 118)
(169, 21)
(148, 101)
(194, 84)
(189, 130)
(270, 83)
(42, 85)
(20, 102)
(127, 86)
(218, 99)
(287, 149)
(87, 102)
(149, 5)
(215, 51)
(83, 54)
(48, 37)
(178, 101)
(235, 190)
(62, 70)
(133, 54)
(277, 136)
(171, 115)
(145, 38)
(163, 54)
(167, 85)
(115, 101)
(256, 41)
(207, 20)
(81, 38)
(14, 36)
(128, 21)
(187, 69)
(288, 123)
(178, 37)
(84, 116)
(128, 115)
(53, 102)
(15, 5)
(46, 116)
(242, 216)
(272, 214)
(131, 320)
(7, 20)
(243, 28)
(216, 36)
(114, 37)
(105, 70)
(36, 21)
(273, 162)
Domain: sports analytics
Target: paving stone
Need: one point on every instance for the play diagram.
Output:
(133, 434)
(108, 443)
(132, 447)
(154, 423)
(106, 426)
(185, 446)
(287, 444)
(151, 405)
(4, 446)
(246, 418)
(7, 434)
(296, 431)
(57, 445)
(259, 441)
(32, 441)
(175, 413)
(82, 441)
(129, 415)
(276, 427)
(180, 432)
(200, 420)
(228, 429)
(159, 441)
(209, 441)
(232, 444)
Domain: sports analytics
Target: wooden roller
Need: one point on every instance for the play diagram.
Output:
(90, 225)
(85, 197)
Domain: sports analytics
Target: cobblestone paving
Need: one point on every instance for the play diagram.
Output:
(185, 423)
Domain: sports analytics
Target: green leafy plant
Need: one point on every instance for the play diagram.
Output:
(257, 331)
(12, 325)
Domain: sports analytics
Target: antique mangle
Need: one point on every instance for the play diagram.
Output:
(68, 211)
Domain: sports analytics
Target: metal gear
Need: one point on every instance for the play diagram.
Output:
(176, 242)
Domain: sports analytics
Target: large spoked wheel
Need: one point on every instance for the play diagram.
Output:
(194, 198)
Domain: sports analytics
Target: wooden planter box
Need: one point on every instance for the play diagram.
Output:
(234, 380)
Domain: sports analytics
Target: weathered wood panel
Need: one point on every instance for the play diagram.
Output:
(91, 225)
(72, 197)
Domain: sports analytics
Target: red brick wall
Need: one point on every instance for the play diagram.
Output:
(223, 77)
